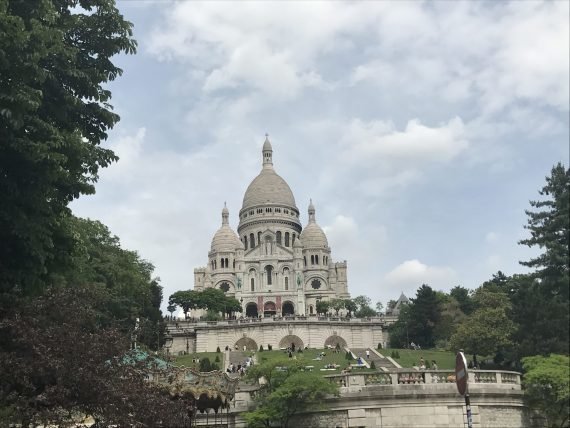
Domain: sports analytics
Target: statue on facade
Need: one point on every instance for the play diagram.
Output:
(299, 280)
(239, 283)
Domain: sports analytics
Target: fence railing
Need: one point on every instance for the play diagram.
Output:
(180, 325)
(416, 377)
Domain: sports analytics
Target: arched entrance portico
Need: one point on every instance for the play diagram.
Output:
(291, 341)
(287, 308)
(246, 344)
(334, 340)
(251, 310)
(269, 309)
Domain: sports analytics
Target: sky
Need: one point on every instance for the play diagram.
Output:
(420, 131)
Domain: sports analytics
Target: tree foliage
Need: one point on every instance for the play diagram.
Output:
(57, 364)
(547, 387)
(286, 391)
(54, 59)
(489, 328)
(212, 299)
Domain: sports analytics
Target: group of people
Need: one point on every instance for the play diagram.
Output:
(240, 368)
(423, 365)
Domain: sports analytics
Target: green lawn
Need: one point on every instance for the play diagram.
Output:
(186, 360)
(308, 357)
(408, 357)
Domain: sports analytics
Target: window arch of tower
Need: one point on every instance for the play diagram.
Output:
(252, 276)
(286, 274)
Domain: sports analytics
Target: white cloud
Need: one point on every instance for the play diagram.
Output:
(491, 237)
(379, 140)
(411, 274)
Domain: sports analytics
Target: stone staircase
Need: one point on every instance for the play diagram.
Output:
(380, 361)
(236, 357)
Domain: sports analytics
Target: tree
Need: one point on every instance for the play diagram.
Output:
(54, 61)
(379, 308)
(548, 291)
(550, 230)
(187, 300)
(451, 315)
(286, 392)
(547, 387)
(425, 313)
(462, 296)
(337, 304)
(171, 308)
(363, 309)
(488, 329)
(46, 382)
(350, 306)
(322, 307)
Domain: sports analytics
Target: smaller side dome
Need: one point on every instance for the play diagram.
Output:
(225, 239)
(312, 235)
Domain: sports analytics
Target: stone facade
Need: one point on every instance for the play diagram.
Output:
(279, 333)
(273, 266)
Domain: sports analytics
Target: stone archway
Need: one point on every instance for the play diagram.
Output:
(291, 341)
(287, 308)
(333, 340)
(248, 342)
(251, 310)
(269, 309)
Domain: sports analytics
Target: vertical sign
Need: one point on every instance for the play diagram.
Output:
(461, 380)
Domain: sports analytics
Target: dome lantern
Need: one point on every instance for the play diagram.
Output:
(267, 153)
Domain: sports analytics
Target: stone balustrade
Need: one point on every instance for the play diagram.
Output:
(180, 325)
(416, 377)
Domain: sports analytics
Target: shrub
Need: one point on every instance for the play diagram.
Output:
(269, 348)
(218, 349)
(395, 354)
(205, 365)
(217, 360)
(379, 346)
(372, 365)
(348, 356)
(214, 366)
(260, 348)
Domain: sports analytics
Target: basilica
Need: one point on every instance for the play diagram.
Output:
(273, 265)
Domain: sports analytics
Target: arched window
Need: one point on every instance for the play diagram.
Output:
(292, 239)
(251, 240)
(312, 259)
(252, 282)
(258, 238)
(245, 241)
(222, 263)
(317, 259)
(234, 264)
(269, 273)
(305, 260)
(286, 239)
(278, 237)
(286, 283)
(227, 262)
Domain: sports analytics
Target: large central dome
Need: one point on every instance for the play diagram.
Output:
(268, 187)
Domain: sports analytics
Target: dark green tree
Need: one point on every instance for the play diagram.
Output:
(322, 307)
(425, 313)
(547, 387)
(489, 329)
(462, 296)
(287, 391)
(543, 322)
(55, 57)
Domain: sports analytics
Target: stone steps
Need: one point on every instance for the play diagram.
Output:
(379, 362)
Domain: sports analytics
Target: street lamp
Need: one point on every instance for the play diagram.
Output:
(168, 340)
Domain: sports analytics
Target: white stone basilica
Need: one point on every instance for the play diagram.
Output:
(272, 266)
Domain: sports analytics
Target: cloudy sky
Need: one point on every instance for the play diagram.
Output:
(420, 130)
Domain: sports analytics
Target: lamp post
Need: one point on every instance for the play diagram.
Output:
(168, 340)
